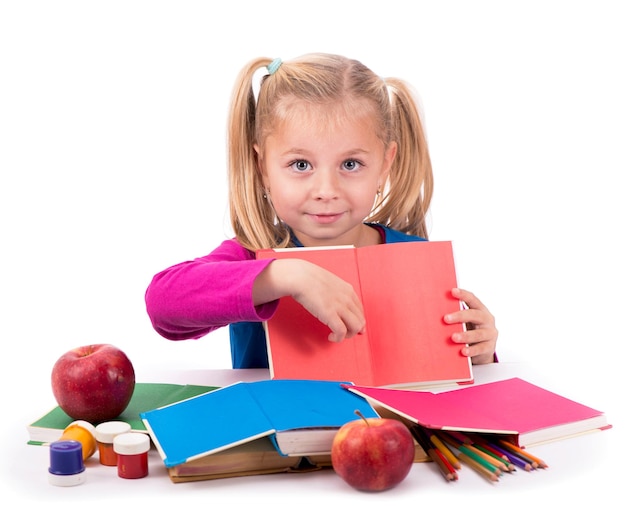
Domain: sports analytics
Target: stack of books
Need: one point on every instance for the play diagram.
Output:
(254, 428)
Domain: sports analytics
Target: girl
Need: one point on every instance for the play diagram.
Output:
(328, 153)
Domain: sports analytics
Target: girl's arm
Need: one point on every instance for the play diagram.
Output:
(193, 298)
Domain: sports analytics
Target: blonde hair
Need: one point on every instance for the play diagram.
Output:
(327, 80)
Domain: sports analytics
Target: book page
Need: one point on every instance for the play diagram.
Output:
(298, 345)
(407, 291)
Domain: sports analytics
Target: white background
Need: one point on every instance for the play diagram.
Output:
(112, 160)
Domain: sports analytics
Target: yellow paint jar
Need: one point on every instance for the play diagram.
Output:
(83, 432)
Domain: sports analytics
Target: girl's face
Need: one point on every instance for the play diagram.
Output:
(322, 176)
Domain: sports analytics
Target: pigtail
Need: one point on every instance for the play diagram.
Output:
(251, 214)
(410, 186)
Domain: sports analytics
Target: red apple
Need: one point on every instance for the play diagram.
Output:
(93, 383)
(373, 454)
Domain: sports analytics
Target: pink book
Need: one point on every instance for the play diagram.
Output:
(405, 291)
(525, 413)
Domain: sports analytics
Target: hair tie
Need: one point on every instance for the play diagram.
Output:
(274, 65)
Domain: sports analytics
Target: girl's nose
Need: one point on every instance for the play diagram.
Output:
(326, 185)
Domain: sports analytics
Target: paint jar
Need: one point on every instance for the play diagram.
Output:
(132, 454)
(83, 432)
(66, 463)
(105, 434)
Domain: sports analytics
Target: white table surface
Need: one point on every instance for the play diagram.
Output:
(581, 468)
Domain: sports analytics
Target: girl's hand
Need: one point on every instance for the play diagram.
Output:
(326, 296)
(480, 338)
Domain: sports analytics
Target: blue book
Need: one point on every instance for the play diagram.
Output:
(301, 417)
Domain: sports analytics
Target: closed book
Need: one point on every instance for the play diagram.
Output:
(256, 457)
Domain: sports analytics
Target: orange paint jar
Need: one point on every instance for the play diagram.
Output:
(83, 432)
(105, 434)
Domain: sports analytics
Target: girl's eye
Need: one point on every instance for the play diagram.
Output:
(351, 165)
(300, 165)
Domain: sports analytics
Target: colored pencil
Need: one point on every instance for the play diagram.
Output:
(446, 469)
(478, 468)
(495, 461)
(507, 465)
(477, 458)
(488, 446)
(513, 458)
(481, 445)
(440, 445)
(534, 461)
(446, 463)
(459, 436)
(444, 466)
(450, 439)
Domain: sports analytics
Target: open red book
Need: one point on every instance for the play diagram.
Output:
(524, 413)
(405, 291)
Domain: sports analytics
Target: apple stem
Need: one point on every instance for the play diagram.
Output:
(357, 412)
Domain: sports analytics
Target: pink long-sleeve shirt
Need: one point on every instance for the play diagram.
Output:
(193, 298)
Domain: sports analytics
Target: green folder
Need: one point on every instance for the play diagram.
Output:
(146, 396)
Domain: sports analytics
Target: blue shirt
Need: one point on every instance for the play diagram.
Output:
(248, 347)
